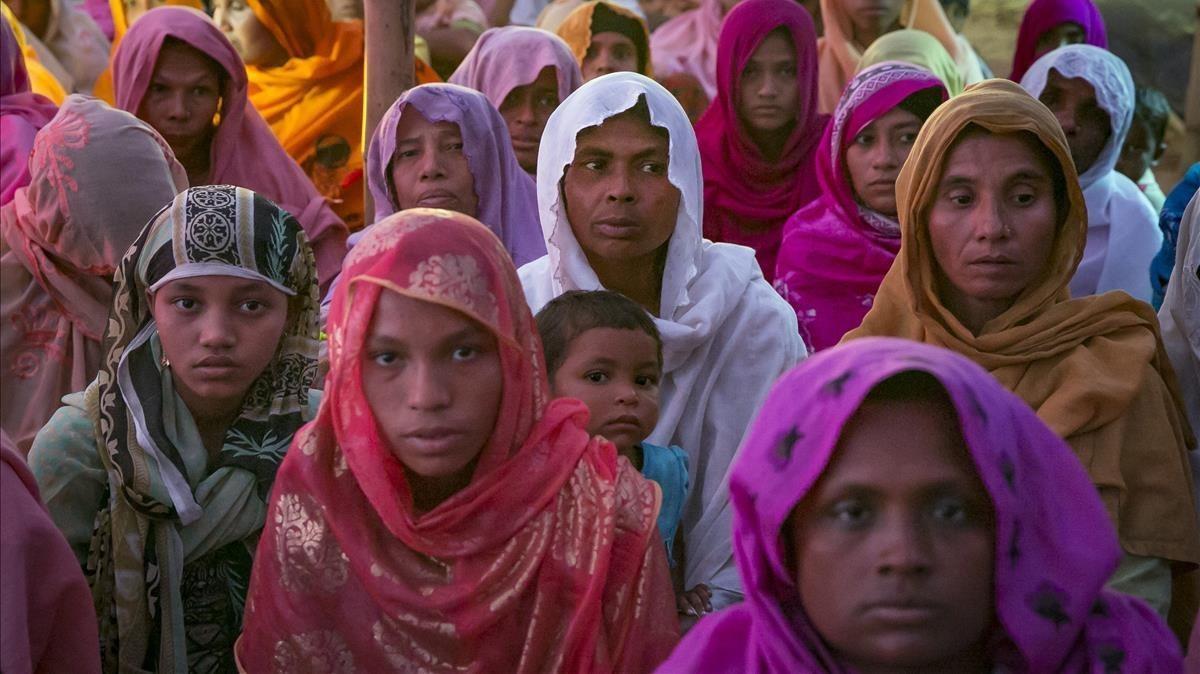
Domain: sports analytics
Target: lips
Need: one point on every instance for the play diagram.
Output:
(903, 612)
(525, 143)
(434, 440)
(624, 423)
(215, 366)
(437, 199)
(617, 228)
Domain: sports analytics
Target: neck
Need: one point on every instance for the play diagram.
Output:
(212, 422)
(771, 143)
(197, 160)
(973, 661)
(865, 36)
(639, 279)
(972, 312)
(430, 492)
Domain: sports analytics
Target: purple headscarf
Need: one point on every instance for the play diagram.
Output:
(1055, 547)
(22, 113)
(492, 68)
(1042, 15)
(507, 195)
(835, 251)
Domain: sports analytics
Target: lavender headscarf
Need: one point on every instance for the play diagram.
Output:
(1054, 545)
(507, 195)
(494, 68)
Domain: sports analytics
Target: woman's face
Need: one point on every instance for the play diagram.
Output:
(609, 52)
(256, 45)
(768, 93)
(429, 168)
(894, 546)
(992, 224)
(619, 201)
(182, 98)
(1063, 34)
(432, 377)
(1086, 124)
(219, 333)
(876, 155)
(871, 17)
(525, 111)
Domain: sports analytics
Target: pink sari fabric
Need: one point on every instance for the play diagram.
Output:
(747, 198)
(22, 113)
(62, 238)
(688, 44)
(835, 251)
(244, 151)
(507, 195)
(1055, 547)
(1042, 15)
(548, 560)
(493, 68)
(47, 623)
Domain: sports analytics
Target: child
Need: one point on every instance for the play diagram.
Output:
(602, 348)
(1144, 145)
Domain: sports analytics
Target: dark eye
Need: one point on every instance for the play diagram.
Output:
(594, 165)
(959, 199)
(908, 138)
(654, 168)
(1025, 198)
(455, 147)
(850, 512)
(254, 306)
(864, 139)
(645, 382)
(548, 101)
(185, 303)
(464, 353)
(788, 70)
(950, 510)
(156, 88)
(384, 358)
(596, 377)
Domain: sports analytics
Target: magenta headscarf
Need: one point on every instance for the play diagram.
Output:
(1055, 547)
(244, 151)
(746, 197)
(493, 67)
(22, 113)
(1042, 15)
(507, 195)
(835, 251)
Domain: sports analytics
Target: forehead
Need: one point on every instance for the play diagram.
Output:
(402, 318)
(628, 346)
(612, 38)
(777, 45)
(180, 61)
(217, 285)
(1009, 154)
(413, 123)
(624, 133)
(1077, 87)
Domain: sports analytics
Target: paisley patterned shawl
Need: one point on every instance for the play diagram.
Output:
(549, 560)
(158, 486)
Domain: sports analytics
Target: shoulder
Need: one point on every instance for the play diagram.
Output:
(536, 282)
(69, 434)
(706, 647)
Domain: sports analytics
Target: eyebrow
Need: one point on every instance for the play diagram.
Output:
(469, 332)
(1023, 174)
(241, 288)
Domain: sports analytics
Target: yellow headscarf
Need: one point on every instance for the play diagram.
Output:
(918, 48)
(1092, 368)
(41, 80)
(576, 28)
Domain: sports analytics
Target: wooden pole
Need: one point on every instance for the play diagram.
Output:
(389, 65)
(1192, 102)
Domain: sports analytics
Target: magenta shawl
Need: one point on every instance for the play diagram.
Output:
(493, 68)
(507, 195)
(47, 623)
(688, 44)
(244, 151)
(1042, 15)
(747, 198)
(1055, 547)
(22, 113)
(835, 251)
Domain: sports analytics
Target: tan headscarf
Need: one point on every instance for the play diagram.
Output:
(1093, 368)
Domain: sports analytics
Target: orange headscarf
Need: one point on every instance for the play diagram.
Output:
(41, 80)
(1093, 368)
(548, 560)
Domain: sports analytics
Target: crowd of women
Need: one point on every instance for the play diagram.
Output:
(745, 336)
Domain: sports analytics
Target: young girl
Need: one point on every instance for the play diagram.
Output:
(603, 349)
(441, 513)
(897, 510)
(158, 473)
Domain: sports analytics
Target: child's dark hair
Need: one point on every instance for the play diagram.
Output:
(923, 103)
(1152, 109)
(964, 5)
(575, 312)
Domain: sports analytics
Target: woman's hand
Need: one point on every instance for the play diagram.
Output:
(695, 602)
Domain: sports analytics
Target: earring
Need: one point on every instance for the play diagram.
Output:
(164, 362)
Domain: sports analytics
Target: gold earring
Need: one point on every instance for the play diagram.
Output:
(164, 362)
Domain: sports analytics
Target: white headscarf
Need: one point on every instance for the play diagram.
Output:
(1180, 312)
(726, 334)
(1119, 216)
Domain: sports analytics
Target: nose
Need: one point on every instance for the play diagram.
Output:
(905, 550)
(525, 113)
(988, 219)
(216, 331)
(768, 88)
(885, 156)
(426, 388)
(627, 394)
(431, 166)
(1066, 119)
(620, 187)
(177, 109)
(221, 18)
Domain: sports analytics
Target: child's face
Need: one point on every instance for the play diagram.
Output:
(615, 372)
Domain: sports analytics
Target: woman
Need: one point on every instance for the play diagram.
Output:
(758, 137)
(1050, 24)
(67, 41)
(836, 250)
(22, 114)
(306, 79)
(525, 90)
(606, 38)
(41, 80)
(852, 26)
(217, 135)
(445, 146)
(158, 473)
(620, 197)
(918, 48)
(895, 509)
(1090, 91)
(512, 543)
(987, 251)
(61, 239)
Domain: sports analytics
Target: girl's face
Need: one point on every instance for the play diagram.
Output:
(429, 168)
(893, 548)
(768, 93)
(876, 155)
(433, 380)
(219, 334)
(182, 98)
(609, 52)
(526, 110)
(256, 45)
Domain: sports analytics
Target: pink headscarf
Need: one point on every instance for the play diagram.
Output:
(47, 623)
(507, 195)
(688, 44)
(63, 237)
(244, 151)
(1055, 548)
(493, 68)
(747, 198)
(835, 251)
(22, 113)
(1042, 15)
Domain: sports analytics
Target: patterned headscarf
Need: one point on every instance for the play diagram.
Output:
(142, 538)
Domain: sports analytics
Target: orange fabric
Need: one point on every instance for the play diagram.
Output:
(1093, 368)
(314, 102)
(548, 560)
(103, 89)
(41, 80)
